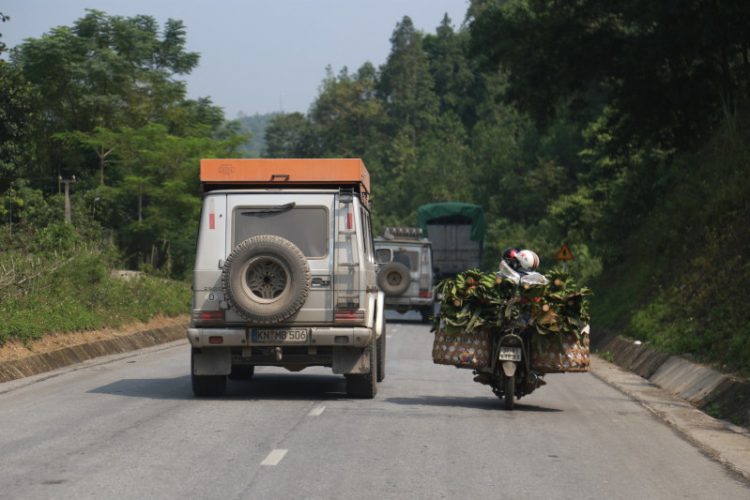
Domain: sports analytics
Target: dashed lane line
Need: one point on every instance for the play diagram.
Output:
(274, 457)
(316, 411)
(277, 455)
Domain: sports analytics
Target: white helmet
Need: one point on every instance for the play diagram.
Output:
(528, 259)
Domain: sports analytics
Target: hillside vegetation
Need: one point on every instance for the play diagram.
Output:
(54, 281)
(684, 276)
(619, 128)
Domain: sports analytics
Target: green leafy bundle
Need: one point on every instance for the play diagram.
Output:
(477, 299)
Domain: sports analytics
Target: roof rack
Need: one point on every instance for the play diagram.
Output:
(402, 233)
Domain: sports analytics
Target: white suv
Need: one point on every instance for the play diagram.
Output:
(405, 272)
(285, 273)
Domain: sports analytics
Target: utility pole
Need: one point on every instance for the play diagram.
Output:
(67, 195)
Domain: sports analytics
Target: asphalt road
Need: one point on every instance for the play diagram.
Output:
(129, 428)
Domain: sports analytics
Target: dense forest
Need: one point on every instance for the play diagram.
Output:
(618, 128)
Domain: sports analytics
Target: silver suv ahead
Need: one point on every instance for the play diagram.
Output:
(405, 275)
(285, 274)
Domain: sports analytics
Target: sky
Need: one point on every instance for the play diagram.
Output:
(257, 56)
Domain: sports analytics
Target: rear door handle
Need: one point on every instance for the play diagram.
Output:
(320, 282)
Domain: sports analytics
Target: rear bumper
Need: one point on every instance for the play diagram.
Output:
(408, 301)
(319, 337)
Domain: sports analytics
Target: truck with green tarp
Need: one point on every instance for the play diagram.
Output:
(457, 231)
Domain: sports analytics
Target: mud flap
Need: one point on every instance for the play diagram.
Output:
(212, 361)
(509, 368)
(347, 360)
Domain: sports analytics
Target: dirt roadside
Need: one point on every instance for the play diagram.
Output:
(55, 341)
(57, 351)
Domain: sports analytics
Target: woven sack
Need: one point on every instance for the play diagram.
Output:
(462, 349)
(553, 354)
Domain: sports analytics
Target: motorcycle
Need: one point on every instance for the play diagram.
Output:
(510, 372)
(512, 328)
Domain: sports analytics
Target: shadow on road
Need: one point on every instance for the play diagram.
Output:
(409, 317)
(291, 386)
(476, 402)
(261, 386)
(407, 321)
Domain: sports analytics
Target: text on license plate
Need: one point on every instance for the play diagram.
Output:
(279, 336)
(509, 354)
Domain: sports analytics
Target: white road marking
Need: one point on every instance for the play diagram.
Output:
(274, 457)
(316, 411)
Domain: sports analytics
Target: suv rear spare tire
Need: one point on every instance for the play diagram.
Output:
(266, 279)
(394, 279)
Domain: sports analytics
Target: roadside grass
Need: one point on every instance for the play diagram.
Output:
(75, 292)
(607, 356)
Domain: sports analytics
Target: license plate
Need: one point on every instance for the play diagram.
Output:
(509, 354)
(279, 336)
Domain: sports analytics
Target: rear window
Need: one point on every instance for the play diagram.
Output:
(382, 256)
(409, 258)
(306, 227)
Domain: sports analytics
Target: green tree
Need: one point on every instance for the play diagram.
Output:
(104, 71)
(3, 47)
(108, 71)
(445, 163)
(456, 80)
(668, 71)
(406, 85)
(196, 117)
(290, 135)
(101, 141)
(18, 117)
(159, 194)
(346, 114)
(140, 187)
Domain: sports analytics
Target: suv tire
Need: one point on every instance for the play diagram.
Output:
(266, 279)
(394, 279)
(207, 386)
(364, 385)
(381, 356)
(426, 312)
(242, 372)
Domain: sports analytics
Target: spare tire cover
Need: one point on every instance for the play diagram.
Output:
(394, 279)
(266, 279)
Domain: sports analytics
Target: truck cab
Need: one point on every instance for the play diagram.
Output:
(285, 273)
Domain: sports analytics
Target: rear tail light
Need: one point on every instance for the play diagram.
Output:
(349, 316)
(216, 340)
(208, 316)
(425, 295)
